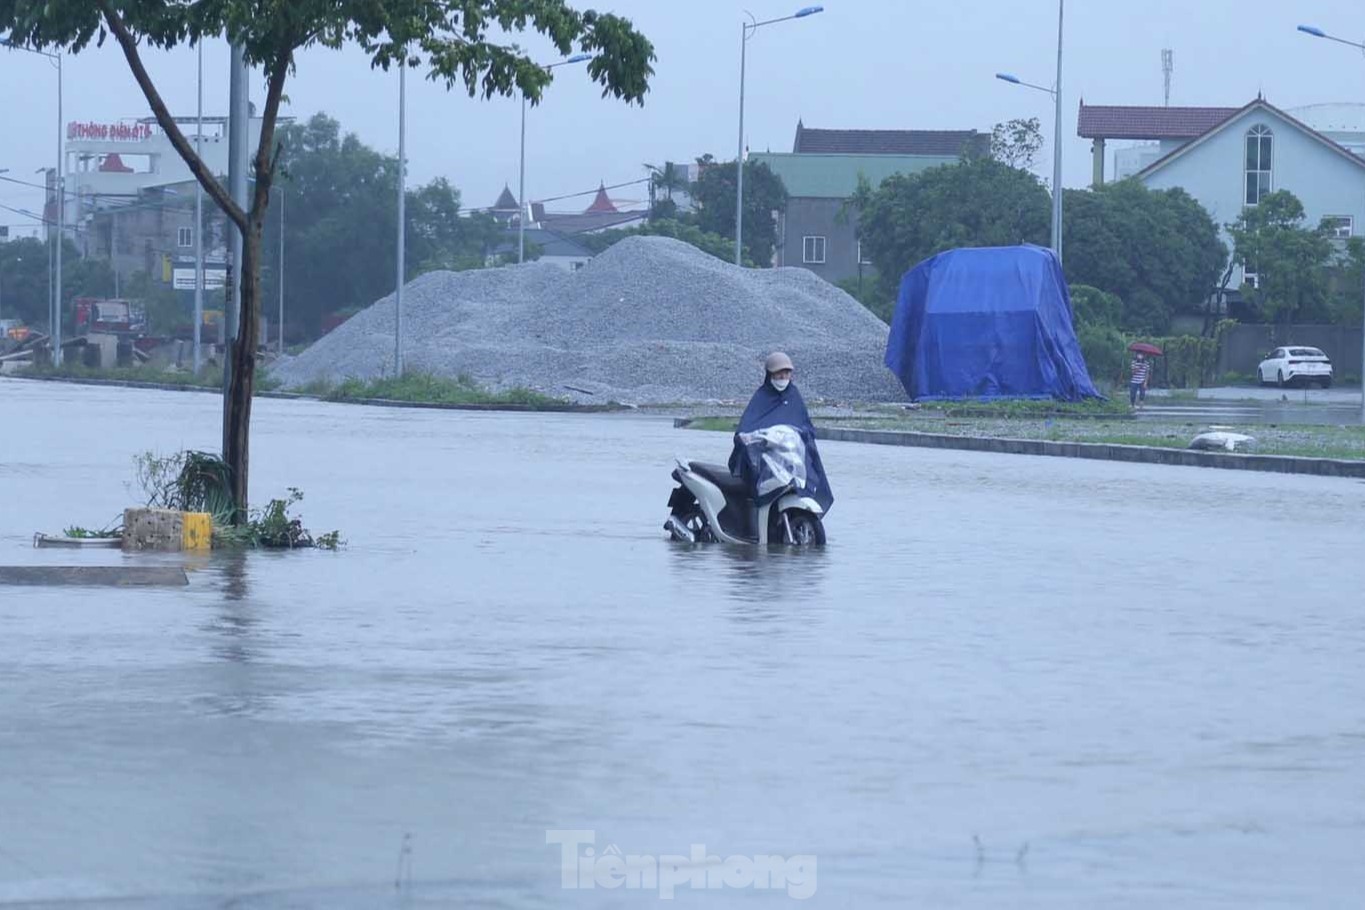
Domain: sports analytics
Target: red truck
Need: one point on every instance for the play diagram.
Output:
(114, 317)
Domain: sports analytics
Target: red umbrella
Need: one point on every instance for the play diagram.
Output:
(1142, 347)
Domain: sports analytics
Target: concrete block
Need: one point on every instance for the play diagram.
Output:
(153, 529)
(94, 576)
(166, 530)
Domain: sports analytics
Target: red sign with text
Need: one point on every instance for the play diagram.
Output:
(109, 132)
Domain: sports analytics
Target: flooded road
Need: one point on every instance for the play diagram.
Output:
(1243, 405)
(1008, 682)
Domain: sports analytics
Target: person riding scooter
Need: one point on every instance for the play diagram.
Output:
(778, 402)
(772, 491)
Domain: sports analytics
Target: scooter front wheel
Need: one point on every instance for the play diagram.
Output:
(802, 529)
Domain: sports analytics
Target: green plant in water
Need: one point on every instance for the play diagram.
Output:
(201, 482)
(426, 388)
(76, 532)
(187, 482)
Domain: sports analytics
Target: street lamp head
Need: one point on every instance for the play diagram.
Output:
(808, 11)
(1006, 77)
(579, 58)
(1312, 30)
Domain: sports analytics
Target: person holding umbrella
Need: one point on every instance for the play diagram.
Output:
(1140, 372)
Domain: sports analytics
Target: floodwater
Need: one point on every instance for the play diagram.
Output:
(1008, 682)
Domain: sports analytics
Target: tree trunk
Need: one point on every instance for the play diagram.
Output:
(237, 405)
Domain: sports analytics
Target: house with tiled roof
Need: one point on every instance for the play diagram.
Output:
(937, 143)
(556, 234)
(1230, 158)
(505, 209)
(815, 230)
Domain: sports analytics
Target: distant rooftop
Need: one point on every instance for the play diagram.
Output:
(587, 222)
(602, 203)
(1144, 122)
(888, 142)
(506, 201)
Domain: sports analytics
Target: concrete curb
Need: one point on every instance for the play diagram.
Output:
(371, 402)
(1277, 464)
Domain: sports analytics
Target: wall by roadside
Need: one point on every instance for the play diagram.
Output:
(1245, 346)
(373, 402)
(1278, 464)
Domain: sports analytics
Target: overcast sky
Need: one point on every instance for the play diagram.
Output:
(877, 64)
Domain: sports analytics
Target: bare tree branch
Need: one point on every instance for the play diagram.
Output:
(182, 145)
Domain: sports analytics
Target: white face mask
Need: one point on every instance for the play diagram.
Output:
(781, 384)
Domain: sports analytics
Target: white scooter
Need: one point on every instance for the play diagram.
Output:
(711, 504)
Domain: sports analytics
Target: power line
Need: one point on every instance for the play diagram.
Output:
(27, 214)
(39, 218)
(38, 186)
(591, 192)
(594, 190)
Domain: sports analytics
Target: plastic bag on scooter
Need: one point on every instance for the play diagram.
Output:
(776, 458)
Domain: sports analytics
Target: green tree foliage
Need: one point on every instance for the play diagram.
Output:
(663, 183)
(1290, 260)
(1017, 143)
(716, 245)
(1097, 316)
(1348, 284)
(868, 291)
(459, 42)
(977, 202)
(340, 196)
(1091, 306)
(714, 194)
(26, 280)
(1158, 250)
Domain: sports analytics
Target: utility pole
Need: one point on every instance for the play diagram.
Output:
(199, 224)
(1057, 143)
(281, 275)
(739, 153)
(402, 218)
(61, 221)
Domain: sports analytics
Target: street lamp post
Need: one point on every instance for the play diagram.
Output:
(198, 222)
(521, 182)
(1319, 33)
(1056, 93)
(747, 29)
(402, 214)
(280, 277)
(61, 217)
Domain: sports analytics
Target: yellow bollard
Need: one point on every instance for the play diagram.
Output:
(196, 531)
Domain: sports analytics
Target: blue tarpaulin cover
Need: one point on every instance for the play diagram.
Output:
(990, 322)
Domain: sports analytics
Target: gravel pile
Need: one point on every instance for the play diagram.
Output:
(651, 320)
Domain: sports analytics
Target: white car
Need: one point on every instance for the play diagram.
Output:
(1286, 365)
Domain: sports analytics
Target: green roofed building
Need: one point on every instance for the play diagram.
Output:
(821, 173)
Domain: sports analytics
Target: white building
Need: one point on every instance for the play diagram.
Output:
(1342, 122)
(113, 162)
(1229, 158)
